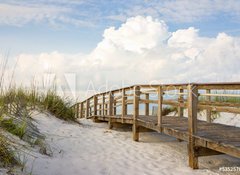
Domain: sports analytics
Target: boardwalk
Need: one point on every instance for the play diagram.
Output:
(131, 105)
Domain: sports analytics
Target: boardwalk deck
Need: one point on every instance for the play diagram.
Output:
(223, 138)
(204, 137)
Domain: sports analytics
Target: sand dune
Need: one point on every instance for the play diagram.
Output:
(92, 149)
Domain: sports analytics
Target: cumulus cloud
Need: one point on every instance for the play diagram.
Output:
(142, 50)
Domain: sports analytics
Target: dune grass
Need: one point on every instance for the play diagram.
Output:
(26, 100)
(18, 129)
(57, 105)
(16, 107)
(7, 156)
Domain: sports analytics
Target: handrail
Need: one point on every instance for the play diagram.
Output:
(117, 101)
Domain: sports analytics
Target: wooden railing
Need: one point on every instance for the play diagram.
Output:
(176, 95)
(136, 100)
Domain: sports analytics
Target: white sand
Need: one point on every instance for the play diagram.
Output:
(91, 149)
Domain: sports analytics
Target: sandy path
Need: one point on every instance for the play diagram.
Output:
(91, 149)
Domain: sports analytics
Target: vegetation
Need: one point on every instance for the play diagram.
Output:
(7, 157)
(26, 100)
(16, 106)
(58, 106)
(18, 129)
(168, 109)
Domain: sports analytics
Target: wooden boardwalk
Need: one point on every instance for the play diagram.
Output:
(204, 137)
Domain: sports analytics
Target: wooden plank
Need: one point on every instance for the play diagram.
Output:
(147, 105)
(123, 104)
(220, 95)
(159, 111)
(136, 98)
(110, 99)
(192, 124)
(100, 109)
(81, 110)
(87, 108)
(180, 101)
(103, 104)
(202, 151)
(147, 101)
(95, 101)
(208, 111)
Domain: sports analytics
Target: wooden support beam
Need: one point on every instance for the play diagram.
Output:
(201, 151)
(180, 101)
(81, 110)
(100, 109)
(123, 104)
(192, 124)
(147, 105)
(110, 110)
(76, 110)
(159, 111)
(103, 104)
(136, 98)
(87, 108)
(208, 111)
(95, 101)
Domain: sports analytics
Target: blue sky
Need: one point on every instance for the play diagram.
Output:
(73, 26)
(137, 41)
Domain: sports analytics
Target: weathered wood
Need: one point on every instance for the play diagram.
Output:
(147, 105)
(95, 101)
(81, 110)
(136, 98)
(110, 110)
(192, 124)
(87, 108)
(159, 111)
(180, 101)
(208, 111)
(119, 97)
(114, 105)
(100, 109)
(123, 104)
(201, 151)
(209, 139)
(103, 104)
(146, 101)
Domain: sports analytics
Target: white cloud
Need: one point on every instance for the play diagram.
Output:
(133, 34)
(92, 12)
(182, 11)
(19, 14)
(140, 51)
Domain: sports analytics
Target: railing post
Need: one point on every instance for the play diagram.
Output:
(180, 103)
(209, 112)
(136, 97)
(114, 108)
(110, 100)
(147, 105)
(123, 104)
(192, 124)
(87, 108)
(100, 109)
(159, 111)
(95, 101)
(81, 110)
(103, 104)
(77, 111)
